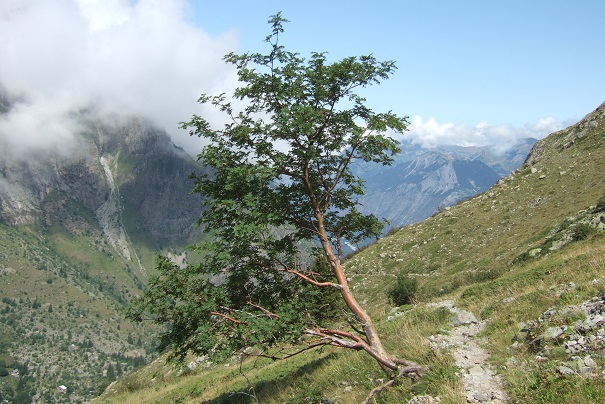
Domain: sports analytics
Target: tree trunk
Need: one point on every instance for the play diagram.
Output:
(374, 345)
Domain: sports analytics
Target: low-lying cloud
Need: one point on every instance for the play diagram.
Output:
(115, 56)
(430, 133)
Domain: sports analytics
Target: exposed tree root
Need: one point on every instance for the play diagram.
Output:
(411, 370)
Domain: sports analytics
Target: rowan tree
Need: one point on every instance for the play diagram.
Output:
(281, 190)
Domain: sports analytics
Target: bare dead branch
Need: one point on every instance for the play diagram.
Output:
(354, 327)
(252, 393)
(413, 371)
(377, 390)
(309, 346)
(345, 339)
(339, 338)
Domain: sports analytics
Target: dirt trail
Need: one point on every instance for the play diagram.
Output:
(481, 383)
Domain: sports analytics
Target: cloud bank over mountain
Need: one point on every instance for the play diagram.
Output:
(111, 56)
(145, 57)
(430, 133)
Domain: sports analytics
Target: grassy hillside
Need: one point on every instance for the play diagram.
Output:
(517, 256)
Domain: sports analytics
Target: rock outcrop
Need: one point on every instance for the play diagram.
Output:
(578, 331)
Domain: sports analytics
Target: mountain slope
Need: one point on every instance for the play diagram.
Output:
(79, 233)
(132, 160)
(482, 254)
(502, 161)
(422, 181)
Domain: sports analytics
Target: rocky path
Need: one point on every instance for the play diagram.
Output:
(481, 383)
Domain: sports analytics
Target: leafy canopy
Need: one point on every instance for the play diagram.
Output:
(281, 181)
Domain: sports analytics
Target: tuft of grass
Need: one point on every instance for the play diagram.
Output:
(545, 385)
(404, 290)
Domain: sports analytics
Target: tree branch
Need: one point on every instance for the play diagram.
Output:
(388, 363)
(226, 317)
(413, 372)
(334, 337)
(309, 346)
(357, 330)
(267, 312)
(304, 224)
(310, 280)
(377, 390)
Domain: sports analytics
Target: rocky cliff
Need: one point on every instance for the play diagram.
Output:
(129, 175)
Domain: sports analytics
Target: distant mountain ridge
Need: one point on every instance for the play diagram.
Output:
(502, 161)
(422, 181)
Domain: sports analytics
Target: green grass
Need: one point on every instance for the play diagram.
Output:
(328, 374)
(544, 385)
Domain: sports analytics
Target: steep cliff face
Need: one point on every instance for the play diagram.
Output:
(26, 183)
(130, 176)
(151, 176)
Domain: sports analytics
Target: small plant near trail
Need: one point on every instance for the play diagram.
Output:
(404, 290)
(281, 179)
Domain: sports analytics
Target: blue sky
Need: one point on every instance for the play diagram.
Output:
(470, 72)
(460, 61)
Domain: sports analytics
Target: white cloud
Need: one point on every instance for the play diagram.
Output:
(105, 13)
(124, 57)
(38, 126)
(430, 133)
(143, 57)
